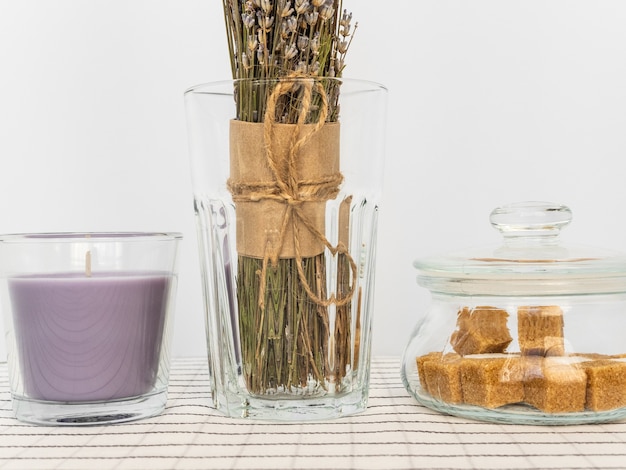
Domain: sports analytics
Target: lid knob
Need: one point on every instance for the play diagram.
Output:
(531, 219)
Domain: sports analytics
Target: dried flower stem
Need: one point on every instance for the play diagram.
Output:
(272, 40)
(288, 343)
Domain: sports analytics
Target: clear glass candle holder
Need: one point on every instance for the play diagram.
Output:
(88, 324)
(287, 178)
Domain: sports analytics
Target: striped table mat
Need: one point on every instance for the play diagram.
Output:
(394, 433)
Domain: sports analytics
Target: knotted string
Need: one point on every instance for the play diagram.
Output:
(293, 192)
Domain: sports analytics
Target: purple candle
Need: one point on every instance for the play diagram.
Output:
(89, 338)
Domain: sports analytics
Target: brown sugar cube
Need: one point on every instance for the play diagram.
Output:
(492, 380)
(594, 356)
(420, 360)
(540, 330)
(606, 384)
(481, 330)
(443, 379)
(555, 384)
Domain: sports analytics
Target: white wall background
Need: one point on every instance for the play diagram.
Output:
(491, 101)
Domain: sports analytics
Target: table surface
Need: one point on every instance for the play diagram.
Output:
(393, 433)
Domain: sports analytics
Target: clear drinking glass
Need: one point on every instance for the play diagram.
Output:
(286, 211)
(88, 324)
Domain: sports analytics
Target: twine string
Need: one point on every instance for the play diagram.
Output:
(294, 192)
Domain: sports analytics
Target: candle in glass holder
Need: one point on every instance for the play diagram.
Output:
(89, 338)
(87, 318)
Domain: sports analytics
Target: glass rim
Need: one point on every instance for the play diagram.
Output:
(214, 87)
(104, 236)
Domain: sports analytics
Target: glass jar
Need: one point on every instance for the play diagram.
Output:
(532, 331)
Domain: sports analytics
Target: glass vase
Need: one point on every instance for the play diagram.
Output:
(287, 178)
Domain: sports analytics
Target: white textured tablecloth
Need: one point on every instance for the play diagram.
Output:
(394, 433)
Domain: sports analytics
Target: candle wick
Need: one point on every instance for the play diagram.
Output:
(88, 263)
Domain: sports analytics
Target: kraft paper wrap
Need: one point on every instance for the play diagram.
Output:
(262, 206)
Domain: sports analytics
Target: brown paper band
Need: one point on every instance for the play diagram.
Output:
(297, 167)
(260, 200)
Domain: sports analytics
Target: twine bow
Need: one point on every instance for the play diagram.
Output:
(293, 192)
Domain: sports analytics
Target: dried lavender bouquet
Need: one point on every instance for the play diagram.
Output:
(286, 57)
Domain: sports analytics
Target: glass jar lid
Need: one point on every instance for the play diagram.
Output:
(530, 261)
